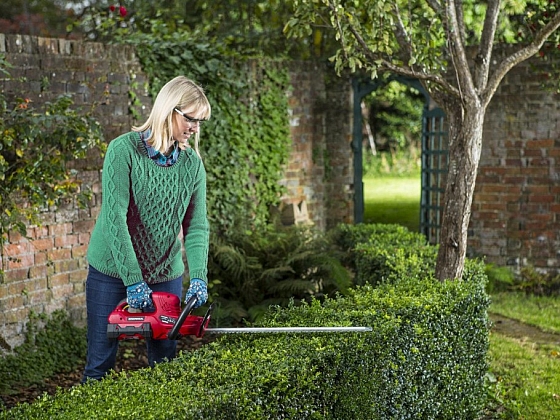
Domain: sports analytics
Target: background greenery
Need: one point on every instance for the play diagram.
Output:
(523, 377)
(393, 200)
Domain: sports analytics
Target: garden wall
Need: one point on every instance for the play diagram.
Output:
(516, 207)
(47, 272)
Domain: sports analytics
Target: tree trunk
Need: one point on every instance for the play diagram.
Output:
(465, 143)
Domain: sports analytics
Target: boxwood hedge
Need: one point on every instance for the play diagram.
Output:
(425, 358)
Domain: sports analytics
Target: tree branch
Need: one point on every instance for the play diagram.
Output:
(458, 55)
(436, 6)
(482, 60)
(519, 56)
(460, 21)
(402, 37)
(426, 77)
(387, 65)
(338, 27)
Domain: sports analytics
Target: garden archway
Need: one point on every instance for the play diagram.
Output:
(434, 153)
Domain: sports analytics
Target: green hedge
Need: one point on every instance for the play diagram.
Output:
(376, 252)
(425, 358)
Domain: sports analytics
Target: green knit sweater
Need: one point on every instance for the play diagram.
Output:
(137, 235)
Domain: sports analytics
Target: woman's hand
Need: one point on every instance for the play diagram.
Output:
(139, 296)
(198, 288)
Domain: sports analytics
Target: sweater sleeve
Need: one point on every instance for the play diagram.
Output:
(196, 231)
(116, 186)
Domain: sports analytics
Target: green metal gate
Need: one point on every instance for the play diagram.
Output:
(435, 159)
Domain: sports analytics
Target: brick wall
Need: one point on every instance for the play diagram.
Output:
(516, 207)
(47, 271)
(320, 171)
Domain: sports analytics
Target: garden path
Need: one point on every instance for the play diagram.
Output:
(516, 329)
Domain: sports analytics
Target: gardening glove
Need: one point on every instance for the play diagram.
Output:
(198, 288)
(139, 296)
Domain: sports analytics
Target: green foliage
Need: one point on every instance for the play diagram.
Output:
(534, 282)
(36, 149)
(425, 358)
(50, 347)
(499, 278)
(246, 143)
(45, 18)
(397, 164)
(378, 265)
(523, 379)
(254, 27)
(273, 265)
(395, 115)
(528, 280)
(537, 311)
(413, 35)
(357, 242)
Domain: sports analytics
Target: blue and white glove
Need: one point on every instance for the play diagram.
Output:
(139, 296)
(198, 288)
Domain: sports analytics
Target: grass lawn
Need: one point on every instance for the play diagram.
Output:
(525, 378)
(540, 311)
(524, 373)
(393, 201)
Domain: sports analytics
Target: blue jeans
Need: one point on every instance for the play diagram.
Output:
(103, 294)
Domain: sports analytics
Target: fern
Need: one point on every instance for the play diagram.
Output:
(273, 265)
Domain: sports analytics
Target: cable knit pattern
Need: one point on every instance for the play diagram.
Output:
(136, 236)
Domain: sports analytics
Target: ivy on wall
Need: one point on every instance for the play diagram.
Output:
(37, 146)
(246, 143)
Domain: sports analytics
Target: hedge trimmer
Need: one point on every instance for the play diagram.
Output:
(168, 321)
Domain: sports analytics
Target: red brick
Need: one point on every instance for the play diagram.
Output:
(83, 226)
(66, 240)
(79, 251)
(58, 279)
(59, 254)
(21, 261)
(41, 258)
(63, 291)
(17, 274)
(14, 250)
(539, 144)
(60, 229)
(42, 244)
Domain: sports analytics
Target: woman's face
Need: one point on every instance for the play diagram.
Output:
(186, 122)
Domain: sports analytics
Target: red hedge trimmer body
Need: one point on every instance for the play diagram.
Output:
(167, 321)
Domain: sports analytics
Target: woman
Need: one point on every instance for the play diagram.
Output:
(154, 189)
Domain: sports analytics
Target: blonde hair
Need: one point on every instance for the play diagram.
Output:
(179, 92)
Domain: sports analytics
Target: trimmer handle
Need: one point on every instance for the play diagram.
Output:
(189, 306)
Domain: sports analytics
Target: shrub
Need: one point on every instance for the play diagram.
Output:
(38, 146)
(372, 250)
(425, 358)
(55, 346)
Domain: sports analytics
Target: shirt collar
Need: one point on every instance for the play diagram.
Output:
(156, 155)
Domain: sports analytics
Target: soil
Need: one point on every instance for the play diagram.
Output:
(521, 331)
(132, 356)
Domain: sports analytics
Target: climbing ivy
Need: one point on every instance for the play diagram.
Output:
(246, 143)
(37, 146)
